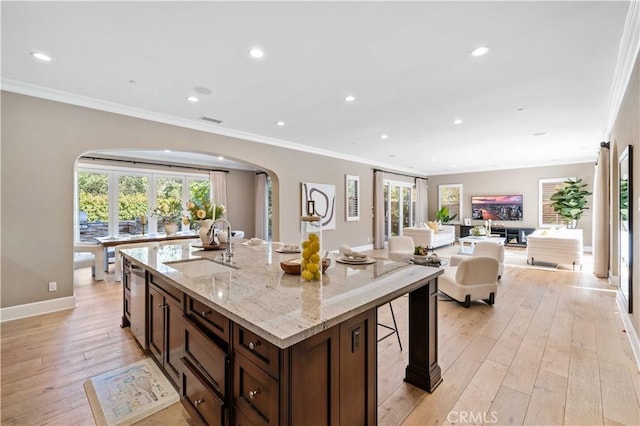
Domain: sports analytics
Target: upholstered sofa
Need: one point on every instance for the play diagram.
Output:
(561, 246)
(427, 237)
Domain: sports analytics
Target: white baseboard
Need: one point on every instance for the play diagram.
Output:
(37, 308)
(631, 333)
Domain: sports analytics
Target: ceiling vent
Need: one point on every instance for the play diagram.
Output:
(209, 119)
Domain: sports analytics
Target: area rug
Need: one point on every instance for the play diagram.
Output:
(129, 394)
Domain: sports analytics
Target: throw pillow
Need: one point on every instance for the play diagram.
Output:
(434, 226)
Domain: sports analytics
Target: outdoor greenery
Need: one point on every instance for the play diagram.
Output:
(570, 200)
(133, 202)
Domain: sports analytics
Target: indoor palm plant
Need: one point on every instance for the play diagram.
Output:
(570, 201)
(443, 215)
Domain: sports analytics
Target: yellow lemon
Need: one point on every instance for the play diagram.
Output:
(315, 247)
(307, 275)
(313, 237)
(305, 244)
(317, 276)
(313, 267)
(306, 253)
(315, 258)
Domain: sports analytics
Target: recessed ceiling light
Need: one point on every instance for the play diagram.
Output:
(192, 98)
(540, 134)
(457, 121)
(480, 51)
(41, 56)
(167, 150)
(221, 158)
(256, 53)
(350, 98)
(392, 155)
(384, 136)
(520, 109)
(280, 123)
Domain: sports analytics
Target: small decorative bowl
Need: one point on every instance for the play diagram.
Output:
(420, 259)
(293, 266)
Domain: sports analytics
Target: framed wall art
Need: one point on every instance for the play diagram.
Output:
(324, 198)
(352, 198)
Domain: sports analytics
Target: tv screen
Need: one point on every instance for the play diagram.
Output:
(496, 207)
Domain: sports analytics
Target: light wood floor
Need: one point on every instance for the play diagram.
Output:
(551, 351)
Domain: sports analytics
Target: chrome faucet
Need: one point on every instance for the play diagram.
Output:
(229, 251)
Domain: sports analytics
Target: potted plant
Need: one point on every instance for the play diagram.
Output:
(168, 213)
(442, 217)
(570, 201)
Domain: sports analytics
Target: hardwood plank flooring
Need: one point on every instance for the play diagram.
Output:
(551, 351)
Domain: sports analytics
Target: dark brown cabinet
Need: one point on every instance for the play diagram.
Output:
(512, 236)
(166, 328)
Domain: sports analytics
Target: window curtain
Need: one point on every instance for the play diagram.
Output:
(421, 201)
(378, 209)
(262, 219)
(219, 187)
(601, 213)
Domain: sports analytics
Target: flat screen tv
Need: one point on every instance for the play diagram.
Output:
(496, 207)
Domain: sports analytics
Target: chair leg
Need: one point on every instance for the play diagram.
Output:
(491, 300)
(394, 329)
(467, 301)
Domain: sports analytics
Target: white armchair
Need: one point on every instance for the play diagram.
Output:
(87, 254)
(474, 278)
(400, 248)
(484, 248)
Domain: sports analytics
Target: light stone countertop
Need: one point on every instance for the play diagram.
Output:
(256, 294)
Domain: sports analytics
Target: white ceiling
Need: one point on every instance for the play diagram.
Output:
(408, 64)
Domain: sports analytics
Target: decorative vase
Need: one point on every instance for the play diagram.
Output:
(311, 253)
(206, 233)
(170, 228)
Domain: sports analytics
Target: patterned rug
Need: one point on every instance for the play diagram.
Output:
(129, 394)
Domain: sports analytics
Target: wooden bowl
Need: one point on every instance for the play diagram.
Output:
(293, 266)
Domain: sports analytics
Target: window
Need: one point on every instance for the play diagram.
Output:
(546, 188)
(399, 200)
(111, 200)
(352, 195)
(450, 196)
(93, 204)
(133, 202)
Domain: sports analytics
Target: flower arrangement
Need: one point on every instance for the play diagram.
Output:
(478, 231)
(167, 211)
(198, 210)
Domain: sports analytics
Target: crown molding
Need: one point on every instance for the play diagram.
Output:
(112, 107)
(627, 56)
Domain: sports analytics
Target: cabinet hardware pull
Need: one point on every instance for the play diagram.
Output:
(253, 345)
(205, 313)
(254, 393)
(162, 306)
(198, 402)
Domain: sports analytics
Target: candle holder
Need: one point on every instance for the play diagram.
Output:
(143, 222)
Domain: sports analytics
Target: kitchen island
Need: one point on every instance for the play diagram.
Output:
(247, 344)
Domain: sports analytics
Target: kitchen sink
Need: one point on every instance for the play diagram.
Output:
(199, 267)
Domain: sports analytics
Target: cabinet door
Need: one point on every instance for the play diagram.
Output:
(156, 310)
(174, 338)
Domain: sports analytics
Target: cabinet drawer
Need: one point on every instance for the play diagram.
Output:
(256, 349)
(204, 353)
(200, 397)
(203, 315)
(240, 419)
(255, 392)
